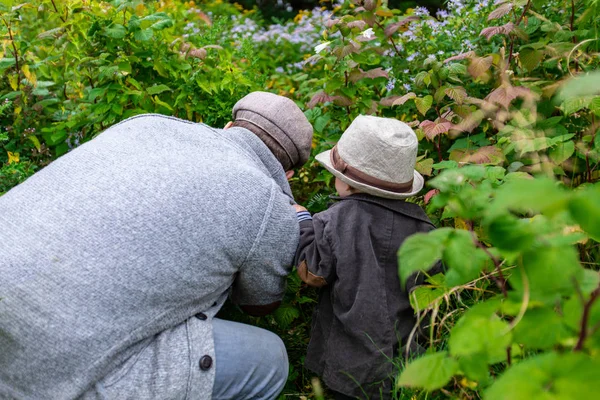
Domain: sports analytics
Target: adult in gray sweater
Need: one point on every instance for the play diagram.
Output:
(115, 258)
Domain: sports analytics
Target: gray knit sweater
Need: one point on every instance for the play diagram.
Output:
(130, 235)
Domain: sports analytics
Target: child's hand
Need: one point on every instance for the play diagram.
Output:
(299, 208)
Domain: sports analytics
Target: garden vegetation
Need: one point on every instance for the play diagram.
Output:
(505, 99)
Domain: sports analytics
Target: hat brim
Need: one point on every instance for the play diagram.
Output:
(324, 159)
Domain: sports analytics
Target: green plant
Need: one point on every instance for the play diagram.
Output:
(526, 233)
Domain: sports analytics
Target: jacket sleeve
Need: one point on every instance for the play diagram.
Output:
(261, 279)
(314, 258)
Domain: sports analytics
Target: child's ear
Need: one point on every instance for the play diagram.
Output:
(228, 125)
(289, 174)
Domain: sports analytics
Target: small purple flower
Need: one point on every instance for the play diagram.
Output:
(391, 84)
(279, 70)
(406, 87)
(421, 12)
(412, 56)
(442, 14)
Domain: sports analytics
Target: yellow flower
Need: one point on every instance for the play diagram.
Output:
(13, 157)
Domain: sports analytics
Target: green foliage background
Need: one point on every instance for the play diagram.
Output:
(504, 97)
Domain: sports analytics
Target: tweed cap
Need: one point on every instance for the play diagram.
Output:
(376, 156)
(282, 119)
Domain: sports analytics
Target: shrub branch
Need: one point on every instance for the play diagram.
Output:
(15, 52)
(587, 306)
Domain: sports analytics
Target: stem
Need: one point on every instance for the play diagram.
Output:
(56, 9)
(585, 319)
(587, 167)
(509, 356)
(512, 37)
(500, 280)
(15, 53)
(346, 84)
(390, 38)
(573, 19)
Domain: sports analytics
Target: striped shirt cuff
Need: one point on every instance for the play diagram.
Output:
(303, 216)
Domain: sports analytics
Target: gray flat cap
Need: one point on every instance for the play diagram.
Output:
(282, 119)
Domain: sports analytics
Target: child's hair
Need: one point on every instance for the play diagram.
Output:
(271, 143)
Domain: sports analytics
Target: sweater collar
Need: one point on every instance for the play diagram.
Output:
(261, 153)
(399, 206)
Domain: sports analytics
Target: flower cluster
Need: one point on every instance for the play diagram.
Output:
(303, 34)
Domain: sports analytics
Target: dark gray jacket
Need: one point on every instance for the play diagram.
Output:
(363, 315)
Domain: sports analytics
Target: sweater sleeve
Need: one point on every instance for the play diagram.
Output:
(262, 278)
(314, 258)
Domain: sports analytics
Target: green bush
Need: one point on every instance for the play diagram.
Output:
(502, 96)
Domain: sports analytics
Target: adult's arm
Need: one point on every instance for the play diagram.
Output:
(260, 283)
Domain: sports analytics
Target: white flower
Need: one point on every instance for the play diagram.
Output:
(320, 47)
(368, 33)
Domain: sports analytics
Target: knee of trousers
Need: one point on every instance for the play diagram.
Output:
(277, 359)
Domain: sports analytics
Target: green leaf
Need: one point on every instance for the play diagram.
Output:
(424, 104)
(420, 252)
(509, 234)
(549, 271)
(573, 312)
(474, 367)
(530, 58)
(430, 372)
(540, 328)
(420, 78)
(458, 94)
(537, 195)
(569, 376)
(446, 164)
(285, 315)
(585, 210)
(562, 152)
(35, 141)
(595, 106)
(464, 261)
(116, 31)
(581, 86)
(549, 122)
(163, 24)
(143, 35)
(162, 103)
(156, 89)
(425, 167)
(574, 104)
(423, 296)
(321, 122)
(486, 337)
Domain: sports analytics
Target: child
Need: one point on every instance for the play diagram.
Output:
(363, 316)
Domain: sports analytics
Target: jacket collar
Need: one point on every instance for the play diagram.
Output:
(398, 206)
(261, 153)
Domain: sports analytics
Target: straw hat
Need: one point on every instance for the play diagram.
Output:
(376, 156)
